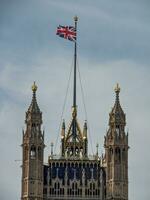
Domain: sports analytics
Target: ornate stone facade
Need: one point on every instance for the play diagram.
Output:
(73, 174)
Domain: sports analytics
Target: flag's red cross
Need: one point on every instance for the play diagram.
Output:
(67, 32)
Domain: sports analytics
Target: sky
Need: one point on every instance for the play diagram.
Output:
(113, 46)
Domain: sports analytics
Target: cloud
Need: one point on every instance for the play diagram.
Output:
(107, 31)
(51, 96)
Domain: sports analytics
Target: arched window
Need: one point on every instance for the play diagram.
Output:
(93, 186)
(90, 186)
(73, 186)
(39, 153)
(118, 154)
(124, 154)
(76, 186)
(110, 154)
(96, 191)
(77, 151)
(117, 130)
(33, 152)
(85, 191)
(33, 125)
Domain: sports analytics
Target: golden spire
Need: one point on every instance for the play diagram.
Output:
(74, 112)
(117, 88)
(34, 87)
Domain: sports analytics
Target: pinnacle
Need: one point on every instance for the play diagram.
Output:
(117, 111)
(34, 87)
(85, 124)
(34, 108)
(63, 124)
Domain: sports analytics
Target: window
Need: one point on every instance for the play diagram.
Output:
(33, 152)
(124, 154)
(39, 153)
(118, 154)
(110, 154)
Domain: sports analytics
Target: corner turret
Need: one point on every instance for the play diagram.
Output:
(116, 153)
(33, 152)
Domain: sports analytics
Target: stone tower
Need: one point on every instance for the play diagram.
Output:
(116, 153)
(33, 149)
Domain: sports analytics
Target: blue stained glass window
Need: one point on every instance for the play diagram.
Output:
(61, 172)
(78, 173)
(88, 173)
(54, 171)
(70, 173)
(45, 174)
(95, 175)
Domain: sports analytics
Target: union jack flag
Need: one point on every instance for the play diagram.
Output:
(67, 32)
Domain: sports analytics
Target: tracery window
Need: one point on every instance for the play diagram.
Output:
(118, 154)
(40, 153)
(110, 154)
(124, 154)
(33, 152)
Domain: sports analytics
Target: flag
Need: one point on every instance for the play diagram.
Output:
(67, 32)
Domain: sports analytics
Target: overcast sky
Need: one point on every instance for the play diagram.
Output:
(113, 46)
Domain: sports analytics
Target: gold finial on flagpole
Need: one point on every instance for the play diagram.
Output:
(117, 88)
(76, 18)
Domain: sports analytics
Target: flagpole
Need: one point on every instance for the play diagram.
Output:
(75, 63)
(74, 113)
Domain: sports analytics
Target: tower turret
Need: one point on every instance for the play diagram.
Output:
(116, 152)
(33, 149)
